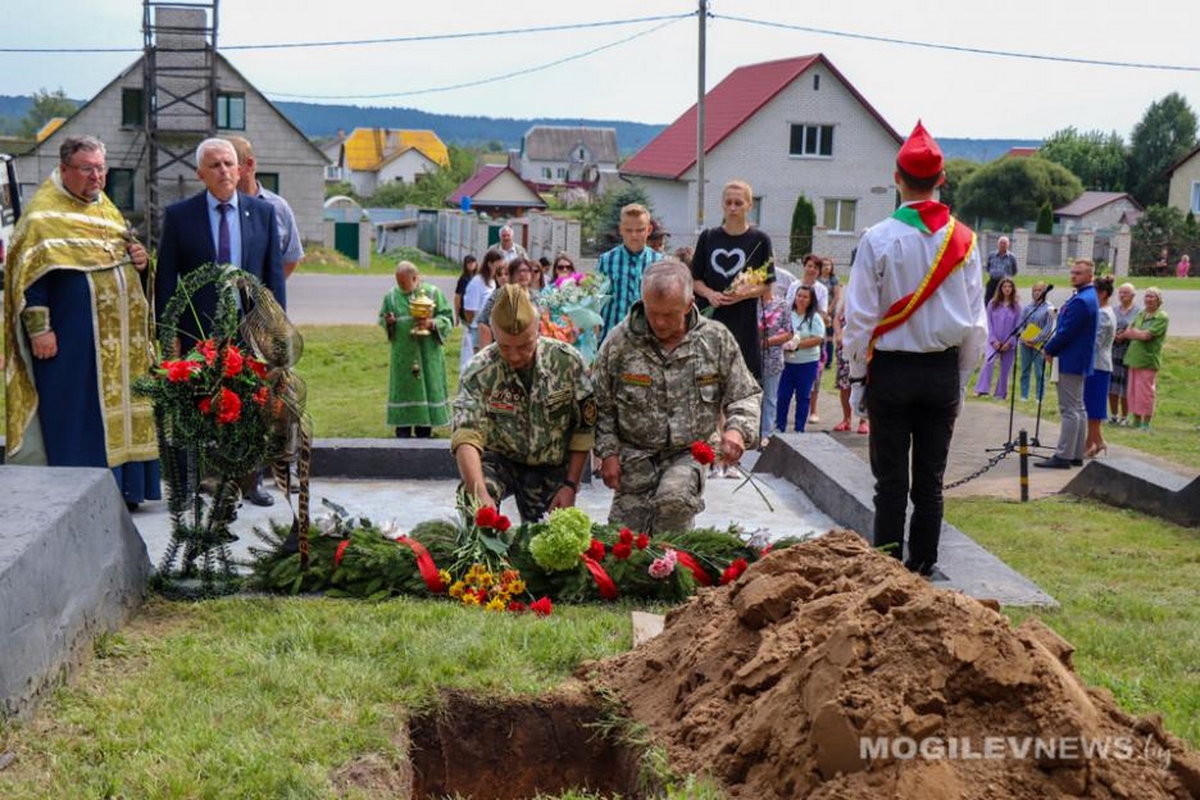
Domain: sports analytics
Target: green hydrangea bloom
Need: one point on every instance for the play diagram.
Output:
(568, 533)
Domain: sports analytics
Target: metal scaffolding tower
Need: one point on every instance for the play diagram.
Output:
(179, 98)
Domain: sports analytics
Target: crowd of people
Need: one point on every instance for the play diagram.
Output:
(710, 344)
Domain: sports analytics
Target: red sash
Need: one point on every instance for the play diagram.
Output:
(928, 217)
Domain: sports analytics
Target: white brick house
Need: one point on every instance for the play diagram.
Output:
(288, 162)
(788, 127)
(1098, 211)
(1184, 192)
(553, 155)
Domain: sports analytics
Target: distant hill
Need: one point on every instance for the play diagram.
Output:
(319, 121)
(983, 150)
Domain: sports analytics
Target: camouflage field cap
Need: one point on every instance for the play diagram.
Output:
(513, 312)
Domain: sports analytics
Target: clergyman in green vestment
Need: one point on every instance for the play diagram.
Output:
(418, 320)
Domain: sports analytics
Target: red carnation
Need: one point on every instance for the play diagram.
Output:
(597, 550)
(234, 360)
(341, 551)
(482, 595)
(229, 407)
(258, 367)
(622, 551)
(179, 371)
(626, 536)
(260, 396)
(485, 517)
(208, 349)
(543, 607)
(206, 405)
(703, 452)
(643, 541)
(503, 523)
(517, 607)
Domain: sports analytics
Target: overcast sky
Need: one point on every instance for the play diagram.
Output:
(653, 77)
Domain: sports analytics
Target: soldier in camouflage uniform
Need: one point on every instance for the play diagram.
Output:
(524, 417)
(664, 378)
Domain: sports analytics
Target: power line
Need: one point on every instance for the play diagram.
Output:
(482, 81)
(959, 48)
(435, 37)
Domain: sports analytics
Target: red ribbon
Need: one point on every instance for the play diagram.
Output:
(608, 589)
(429, 570)
(698, 572)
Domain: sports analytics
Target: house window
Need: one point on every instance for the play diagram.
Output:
(817, 82)
(839, 215)
(560, 172)
(811, 140)
(119, 188)
(268, 180)
(1196, 197)
(546, 173)
(755, 217)
(132, 110)
(231, 112)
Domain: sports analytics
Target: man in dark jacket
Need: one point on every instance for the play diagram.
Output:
(1074, 345)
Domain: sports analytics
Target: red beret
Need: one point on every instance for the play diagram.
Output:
(920, 156)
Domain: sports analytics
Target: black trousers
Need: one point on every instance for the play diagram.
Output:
(912, 400)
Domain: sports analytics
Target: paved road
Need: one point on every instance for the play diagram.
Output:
(355, 300)
(344, 299)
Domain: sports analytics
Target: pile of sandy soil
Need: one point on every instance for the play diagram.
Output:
(772, 684)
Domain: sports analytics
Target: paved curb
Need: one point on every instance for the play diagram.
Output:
(72, 567)
(841, 485)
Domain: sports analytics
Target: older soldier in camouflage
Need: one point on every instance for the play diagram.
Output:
(524, 417)
(664, 378)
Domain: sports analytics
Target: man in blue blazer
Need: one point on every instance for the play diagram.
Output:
(1074, 345)
(220, 225)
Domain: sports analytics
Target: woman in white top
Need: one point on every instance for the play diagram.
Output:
(801, 356)
(474, 298)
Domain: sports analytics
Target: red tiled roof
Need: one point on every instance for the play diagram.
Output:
(729, 104)
(1021, 152)
(485, 175)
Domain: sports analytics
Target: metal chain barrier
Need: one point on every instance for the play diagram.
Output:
(991, 462)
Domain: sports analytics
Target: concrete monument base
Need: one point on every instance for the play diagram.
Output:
(72, 567)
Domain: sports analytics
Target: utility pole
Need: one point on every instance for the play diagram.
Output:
(703, 19)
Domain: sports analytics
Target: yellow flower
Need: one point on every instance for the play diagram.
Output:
(457, 589)
(486, 579)
(515, 587)
(470, 599)
(496, 604)
(444, 577)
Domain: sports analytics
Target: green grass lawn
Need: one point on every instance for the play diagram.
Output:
(1062, 283)
(273, 697)
(325, 260)
(1127, 584)
(269, 697)
(346, 368)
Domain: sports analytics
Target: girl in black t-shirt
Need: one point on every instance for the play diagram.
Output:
(733, 267)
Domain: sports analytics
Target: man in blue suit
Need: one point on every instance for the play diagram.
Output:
(218, 226)
(222, 226)
(1074, 345)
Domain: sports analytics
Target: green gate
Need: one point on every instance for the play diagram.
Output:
(345, 239)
